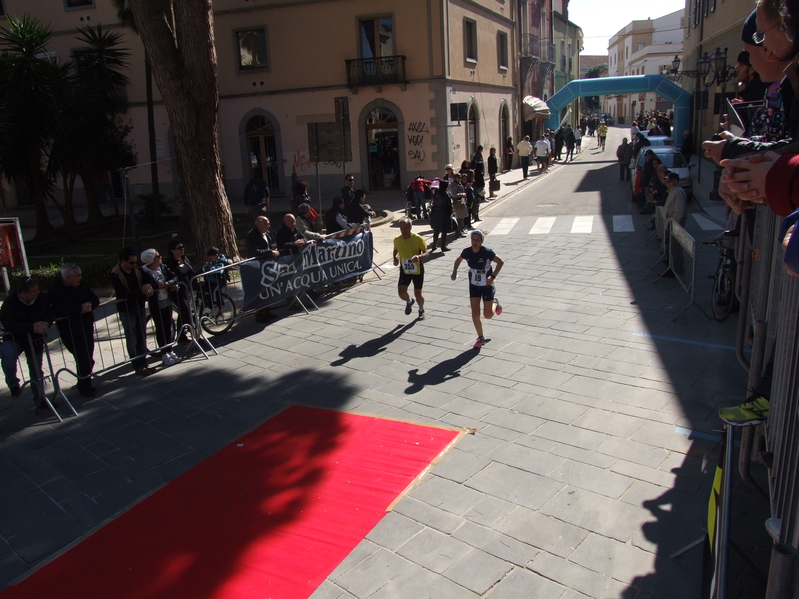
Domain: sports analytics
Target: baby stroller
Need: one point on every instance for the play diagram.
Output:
(410, 203)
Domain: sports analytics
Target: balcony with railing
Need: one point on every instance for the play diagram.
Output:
(381, 70)
(530, 45)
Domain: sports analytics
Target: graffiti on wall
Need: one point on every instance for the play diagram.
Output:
(301, 161)
(417, 133)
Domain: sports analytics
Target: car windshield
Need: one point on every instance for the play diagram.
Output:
(671, 159)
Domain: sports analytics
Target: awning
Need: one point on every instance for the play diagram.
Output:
(534, 108)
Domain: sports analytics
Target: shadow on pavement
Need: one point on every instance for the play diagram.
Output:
(440, 372)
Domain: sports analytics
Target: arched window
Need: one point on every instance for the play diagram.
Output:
(261, 150)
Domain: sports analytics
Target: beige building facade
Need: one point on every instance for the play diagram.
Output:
(413, 86)
(709, 26)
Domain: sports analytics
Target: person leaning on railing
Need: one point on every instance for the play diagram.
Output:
(74, 303)
(26, 315)
(132, 287)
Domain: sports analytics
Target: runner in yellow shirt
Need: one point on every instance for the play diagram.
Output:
(602, 133)
(409, 251)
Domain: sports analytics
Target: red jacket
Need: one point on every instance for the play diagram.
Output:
(418, 184)
(782, 185)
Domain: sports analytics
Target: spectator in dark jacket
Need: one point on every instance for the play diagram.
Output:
(132, 287)
(73, 304)
(335, 219)
(26, 315)
(180, 270)
(348, 191)
(624, 154)
(256, 195)
(359, 212)
(289, 238)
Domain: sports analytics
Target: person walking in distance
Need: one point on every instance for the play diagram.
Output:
(624, 154)
(481, 261)
(409, 251)
(525, 148)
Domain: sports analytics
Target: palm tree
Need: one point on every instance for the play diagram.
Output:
(33, 90)
(126, 17)
(91, 140)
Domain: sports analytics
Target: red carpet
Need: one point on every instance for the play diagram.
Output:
(269, 516)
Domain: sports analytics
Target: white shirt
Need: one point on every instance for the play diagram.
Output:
(541, 148)
(524, 147)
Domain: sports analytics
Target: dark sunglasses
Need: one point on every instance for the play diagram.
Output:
(132, 262)
(180, 247)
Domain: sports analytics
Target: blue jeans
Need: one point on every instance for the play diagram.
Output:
(10, 352)
(135, 337)
(421, 205)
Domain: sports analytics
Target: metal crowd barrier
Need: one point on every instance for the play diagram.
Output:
(108, 351)
(681, 250)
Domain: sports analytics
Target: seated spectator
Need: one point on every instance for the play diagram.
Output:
(26, 315)
(307, 225)
(676, 206)
(359, 211)
(261, 245)
(289, 239)
(215, 282)
(73, 303)
(335, 219)
(160, 304)
(132, 287)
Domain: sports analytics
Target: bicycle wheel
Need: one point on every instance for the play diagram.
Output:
(721, 300)
(217, 319)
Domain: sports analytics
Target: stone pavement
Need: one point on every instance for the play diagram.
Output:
(594, 416)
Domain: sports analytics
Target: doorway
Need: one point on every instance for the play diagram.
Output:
(382, 143)
(261, 151)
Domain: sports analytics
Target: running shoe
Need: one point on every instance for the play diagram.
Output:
(421, 313)
(479, 343)
(498, 309)
(408, 306)
(750, 412)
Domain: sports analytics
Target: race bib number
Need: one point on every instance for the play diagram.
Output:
(409, 267)
(478, 277)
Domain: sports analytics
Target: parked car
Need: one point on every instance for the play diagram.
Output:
(609, 119)
(658, 140)
(673, 160)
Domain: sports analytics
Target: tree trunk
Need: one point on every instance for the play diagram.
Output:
(148, 86)
(179, 39)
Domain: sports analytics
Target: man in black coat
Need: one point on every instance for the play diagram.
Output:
(26, 315)
(348, 191)
(73, 304)
(289, 238)
(260, 244)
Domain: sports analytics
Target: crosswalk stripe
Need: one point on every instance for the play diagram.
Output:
(705, 223)
(543, 225)
(623, 223)
(504, 226)
(582, 224)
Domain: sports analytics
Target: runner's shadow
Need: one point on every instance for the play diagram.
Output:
(441, 372)
(372, 347)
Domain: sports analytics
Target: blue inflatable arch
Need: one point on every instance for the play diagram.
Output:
(605, 86)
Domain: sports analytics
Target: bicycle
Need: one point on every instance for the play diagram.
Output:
(723, 300)
(216, 314)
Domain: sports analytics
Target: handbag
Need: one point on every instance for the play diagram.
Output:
(494, 185)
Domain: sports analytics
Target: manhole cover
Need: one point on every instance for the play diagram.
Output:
(546, 205)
